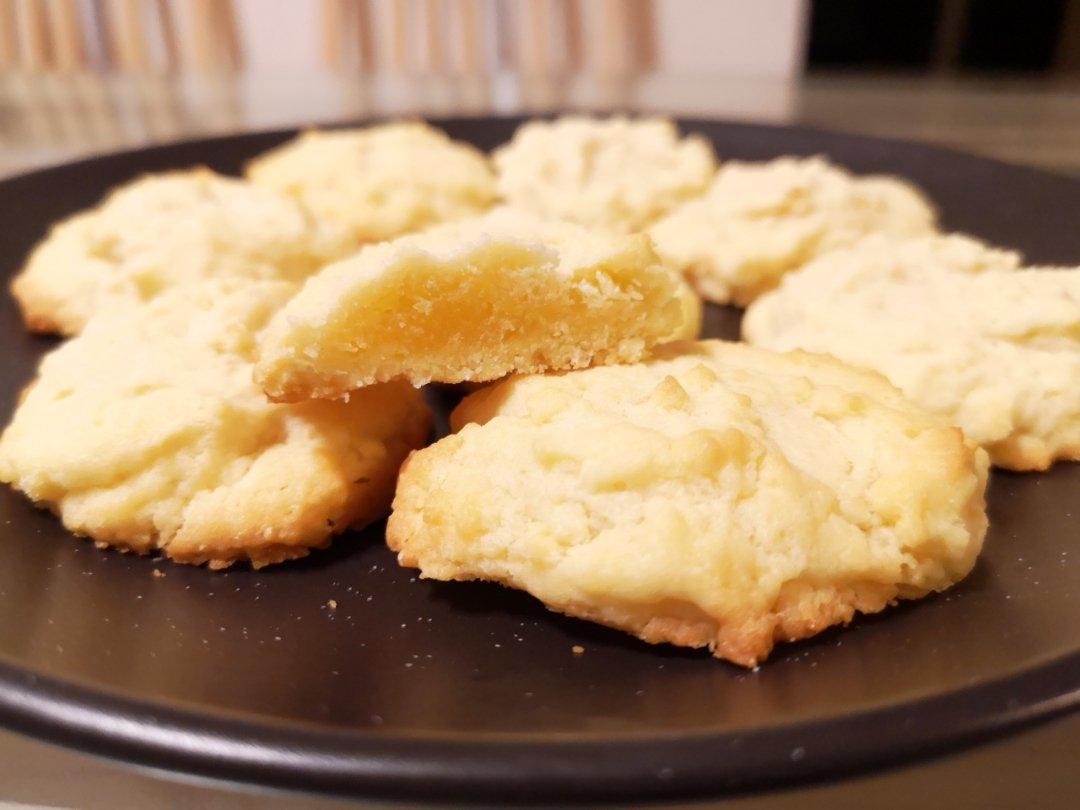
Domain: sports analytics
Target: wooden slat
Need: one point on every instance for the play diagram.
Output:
(612, 47)
(228, 36)
(433, 33)
(97, 45)
(570, 12)
(643, 25)
(506, 34)
(68, 51)
(535, 32)
(363, 34)
(128, 36)
(170, 48)
(348, 43)
(627, 43)
(399, 41)
(9, 47)
(332, 23)
(202, 44)
(470, 36)
(32, 31)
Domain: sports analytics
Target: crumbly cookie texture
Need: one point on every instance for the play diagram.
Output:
(718, 496)
(379, 182)
(471, 301)
(616, 173)
(758, 221)
(147, 433)
(956, 327)
(156, 233)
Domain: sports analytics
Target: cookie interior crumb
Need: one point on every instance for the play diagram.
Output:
(505, 293)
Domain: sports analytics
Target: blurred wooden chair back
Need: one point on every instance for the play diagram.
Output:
(411, 37)
(488, 36)
(136, 36)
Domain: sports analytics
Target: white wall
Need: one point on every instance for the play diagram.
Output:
(760, 38)
(280, 36)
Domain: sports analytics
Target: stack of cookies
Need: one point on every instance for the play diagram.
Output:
(242, 379)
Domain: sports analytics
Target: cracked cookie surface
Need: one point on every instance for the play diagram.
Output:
(955, 326)
(147, 433)
(758, 221)
(367, 185)
(614, 173)
(718, 496)
(159, 232)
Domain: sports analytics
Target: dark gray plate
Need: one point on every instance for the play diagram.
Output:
(455, 691)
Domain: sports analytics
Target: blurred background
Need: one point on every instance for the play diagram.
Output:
(1001, 77)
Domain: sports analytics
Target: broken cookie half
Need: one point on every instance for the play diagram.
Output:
(473, 301)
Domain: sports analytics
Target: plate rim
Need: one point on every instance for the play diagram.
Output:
(227, 745)
(234, 747)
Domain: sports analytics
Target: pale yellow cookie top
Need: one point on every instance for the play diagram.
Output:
(953, 324)
(474, 300)
(617, 173)
(147, 432)
(158, 232)
(381, 181)
(717, 495)
(758, 221)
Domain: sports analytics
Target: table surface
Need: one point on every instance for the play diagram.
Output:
(47, 119)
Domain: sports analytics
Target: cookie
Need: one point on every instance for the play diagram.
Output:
(951, 323)
(471, 301)
(614, 173)
(379, 182)
(758, 221)
(692, 314)
(718, 496)
(158, 232)
(146, 433)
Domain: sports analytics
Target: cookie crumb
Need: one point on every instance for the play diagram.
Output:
(577, 649)
(332, 604)
(157, 573)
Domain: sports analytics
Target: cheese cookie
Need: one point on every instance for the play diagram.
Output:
(717, 495)
(992, 349)
(379, 182)
(147, 433)
(692, 314)
(614, 173)
(156, 233)
(758, 221)
(472, 301)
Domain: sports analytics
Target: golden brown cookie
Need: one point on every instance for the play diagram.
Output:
(758, 221)
(147, 433)
(716, 496)
(375, 183)
(472, 301)
(954, 326)
(159, 232)
(613, 173)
